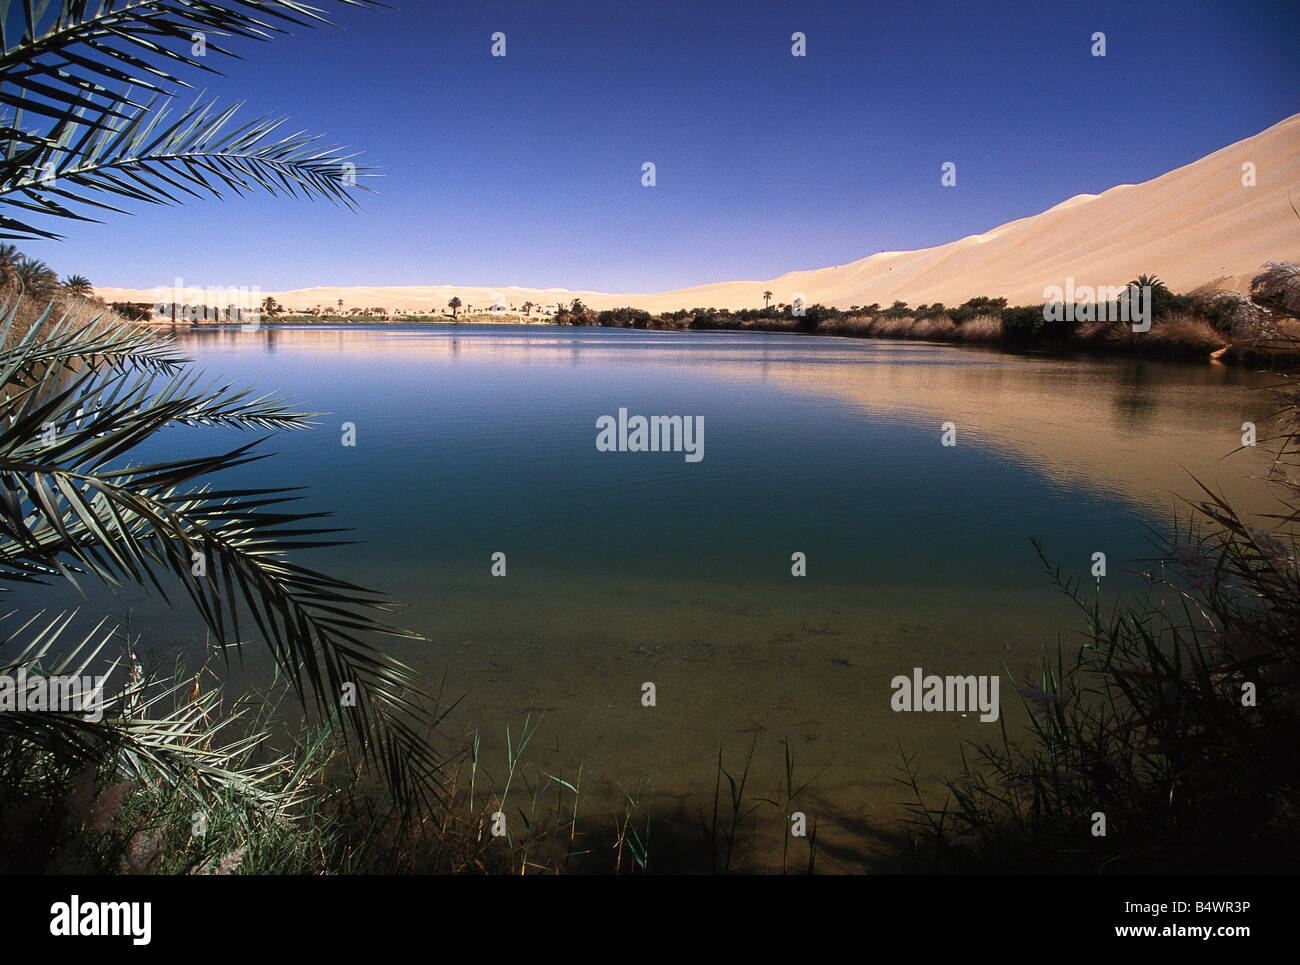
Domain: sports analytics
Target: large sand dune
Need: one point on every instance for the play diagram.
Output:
(1196, 225)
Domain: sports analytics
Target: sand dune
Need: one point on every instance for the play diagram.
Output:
(1195, 225)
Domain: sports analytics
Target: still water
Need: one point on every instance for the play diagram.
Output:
(624, 568)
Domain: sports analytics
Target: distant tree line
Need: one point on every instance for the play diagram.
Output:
(1194, 323)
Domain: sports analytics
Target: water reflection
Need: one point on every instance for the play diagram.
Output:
(625, 568)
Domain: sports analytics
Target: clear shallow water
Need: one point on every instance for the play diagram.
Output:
(633, 567)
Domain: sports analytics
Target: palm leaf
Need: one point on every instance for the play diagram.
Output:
(149, 156)
(58, 56)
(76, 66)
(69, 506)
(149, 726)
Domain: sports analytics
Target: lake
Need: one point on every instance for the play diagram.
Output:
(624, 568)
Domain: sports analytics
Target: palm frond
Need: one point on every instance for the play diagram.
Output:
(85, 110)
(68, 505)
(56, 57)
(60, 341)
(151, 729)
(150, 156)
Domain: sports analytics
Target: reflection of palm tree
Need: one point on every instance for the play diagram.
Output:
(767, 297)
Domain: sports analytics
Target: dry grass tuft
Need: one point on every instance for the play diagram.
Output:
(981, 328)
(1185, 332)
(941, 329)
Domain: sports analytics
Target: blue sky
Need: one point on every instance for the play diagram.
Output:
(526, 170)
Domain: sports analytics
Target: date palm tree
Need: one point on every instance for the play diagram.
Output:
(767, 298)
(9, 258)
(454, 304)
(35, 278)
(78, 286)
(1156, 294)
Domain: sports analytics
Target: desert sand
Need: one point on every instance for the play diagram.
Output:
(1197, 225)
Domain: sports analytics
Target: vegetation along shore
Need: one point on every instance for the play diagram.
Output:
(1208, 323)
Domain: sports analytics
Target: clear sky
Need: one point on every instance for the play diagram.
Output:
(526, 169)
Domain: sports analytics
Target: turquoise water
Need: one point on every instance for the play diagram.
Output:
(630, 567)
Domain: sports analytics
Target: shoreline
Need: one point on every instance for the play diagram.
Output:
(1272, 354)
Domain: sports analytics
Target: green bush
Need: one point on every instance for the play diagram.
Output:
(623, 318)
(975, 307)
(1022, 323)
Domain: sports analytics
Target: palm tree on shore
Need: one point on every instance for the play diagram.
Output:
(767, 298)
(1157, 293)
(454, 304)
(36, 279)
(9, 258)
(78, 286)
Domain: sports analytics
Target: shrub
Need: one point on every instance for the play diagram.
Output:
(1176, 717)
(975, 307)
(1185, 333)
(623, 318)
(1023, 323)
(1277, 289)
(887, 326)
(1060, 329)
(812, 317)
(1226, 311)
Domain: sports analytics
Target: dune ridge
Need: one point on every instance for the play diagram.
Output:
(1194, 226)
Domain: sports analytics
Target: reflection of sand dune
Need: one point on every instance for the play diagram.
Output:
(1137, 438)
(1194, 225)
(1130, 428)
